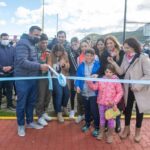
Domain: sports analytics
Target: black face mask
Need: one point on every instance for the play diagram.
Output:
(34, 39)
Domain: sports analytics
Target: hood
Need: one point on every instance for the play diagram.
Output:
(24, 36)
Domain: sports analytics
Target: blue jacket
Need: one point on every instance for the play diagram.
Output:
(6, 58)
(80, 73)
(26, 58)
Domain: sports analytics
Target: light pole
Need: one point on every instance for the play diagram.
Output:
(43, 16)
(56, 23)
(125, 19)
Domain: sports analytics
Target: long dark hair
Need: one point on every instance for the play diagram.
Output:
(58, 47)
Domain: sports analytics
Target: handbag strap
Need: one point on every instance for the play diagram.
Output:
(133, 60)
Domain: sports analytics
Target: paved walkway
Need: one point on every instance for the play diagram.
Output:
(67, 136)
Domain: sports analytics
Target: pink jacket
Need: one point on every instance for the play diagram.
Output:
(107, 91)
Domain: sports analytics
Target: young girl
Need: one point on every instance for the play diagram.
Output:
(113, 49)
(109, 94)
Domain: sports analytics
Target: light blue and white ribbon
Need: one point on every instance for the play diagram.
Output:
(62, 79)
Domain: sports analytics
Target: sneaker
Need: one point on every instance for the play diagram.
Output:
(46, 117)
(65, 111)
(79, 119)
(71, 115)
(95, 133)
(85, 128)
(34, 125)
(106, 129)
(118, 129)
(42, 121)
(21, 131)
(60, 117)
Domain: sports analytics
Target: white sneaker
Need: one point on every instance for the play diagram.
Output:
(42, 121)
(34, 125)
(46, 117)
(79, 119)
(71, 115)
(21, 131)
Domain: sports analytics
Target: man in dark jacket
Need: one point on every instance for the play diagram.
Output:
(6, 68)
(61, 39)
(27, 65)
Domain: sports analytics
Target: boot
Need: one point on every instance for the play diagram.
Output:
(125, 133)
(60, 117)
(137, 136)
(101, 134)
(65, 111)
(109, 138)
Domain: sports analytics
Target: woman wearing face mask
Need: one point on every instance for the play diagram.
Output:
(135, 66)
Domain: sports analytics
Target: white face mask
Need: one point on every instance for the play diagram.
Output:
(5, 42)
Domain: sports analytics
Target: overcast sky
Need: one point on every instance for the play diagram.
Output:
(76, 17)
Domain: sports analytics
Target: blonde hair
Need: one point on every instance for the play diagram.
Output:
(114, 39)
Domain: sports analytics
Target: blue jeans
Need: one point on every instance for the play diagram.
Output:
(60, 96)
(27, 95)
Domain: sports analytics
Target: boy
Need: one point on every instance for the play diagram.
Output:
(86, 69)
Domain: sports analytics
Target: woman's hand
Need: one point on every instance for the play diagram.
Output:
(94, 76)
(134, 89)
(115, 108)
(110, 60)
(78, 90)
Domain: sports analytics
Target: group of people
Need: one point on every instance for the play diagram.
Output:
(107, 59)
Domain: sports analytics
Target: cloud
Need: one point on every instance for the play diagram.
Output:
(2, 22)
(24, 16)
(3, 4)
(145, 5)
(81, 17)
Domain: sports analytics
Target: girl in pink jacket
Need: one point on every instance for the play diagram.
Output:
(109, 94)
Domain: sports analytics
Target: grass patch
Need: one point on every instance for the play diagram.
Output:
(7, 113)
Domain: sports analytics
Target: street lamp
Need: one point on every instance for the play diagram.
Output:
(43, 16)
(125, 18)
(57, 23)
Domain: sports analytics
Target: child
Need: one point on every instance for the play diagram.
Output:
(86, 69)
(84, 45)
(109, 94)
(73, 55)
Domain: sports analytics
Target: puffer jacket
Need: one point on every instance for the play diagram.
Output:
(107, 91)
(26, 58)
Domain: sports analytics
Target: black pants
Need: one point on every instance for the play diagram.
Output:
(80, 104)
(128, 111)
(9, 87)
(91, 107)
(73, 94)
